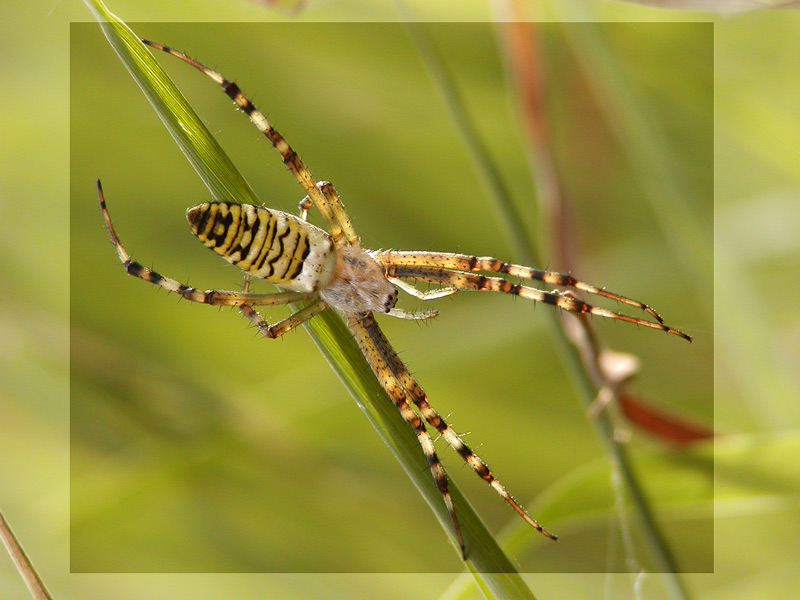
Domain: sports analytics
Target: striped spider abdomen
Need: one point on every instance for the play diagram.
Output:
(269, 244)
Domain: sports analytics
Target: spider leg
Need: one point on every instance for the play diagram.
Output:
(399, 313)
(420, 399)
(475, 282)
(422, 295)
(303, 207)
(327, 202)
(429, 295)
(335, 202)
(372, 344)
(213, 297)
(464, 262)
(284, 325)
(246, 309)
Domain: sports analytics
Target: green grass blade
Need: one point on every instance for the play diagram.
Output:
(493, 571)
(204, 153)
(498, 577)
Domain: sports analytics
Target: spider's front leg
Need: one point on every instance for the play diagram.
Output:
(370, 339)
(400, 385)
(461, 272)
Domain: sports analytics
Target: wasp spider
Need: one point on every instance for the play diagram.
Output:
(330, 269)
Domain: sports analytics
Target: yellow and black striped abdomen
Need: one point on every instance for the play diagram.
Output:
(268, 244)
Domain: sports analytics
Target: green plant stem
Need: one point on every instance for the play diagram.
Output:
(497, 191)
(568, 352)
(585, 370)
(497, 574)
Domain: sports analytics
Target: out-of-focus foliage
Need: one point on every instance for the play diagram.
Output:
(719, 6)
(225, 431)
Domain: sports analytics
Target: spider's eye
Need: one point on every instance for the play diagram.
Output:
(391, 300)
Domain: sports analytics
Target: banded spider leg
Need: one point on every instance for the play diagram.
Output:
(460, 272)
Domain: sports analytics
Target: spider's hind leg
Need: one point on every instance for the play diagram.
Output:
(339, 213)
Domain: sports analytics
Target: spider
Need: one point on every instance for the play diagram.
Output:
(330, 269)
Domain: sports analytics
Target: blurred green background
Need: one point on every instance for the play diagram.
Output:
(192, 455)
(300, 475)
